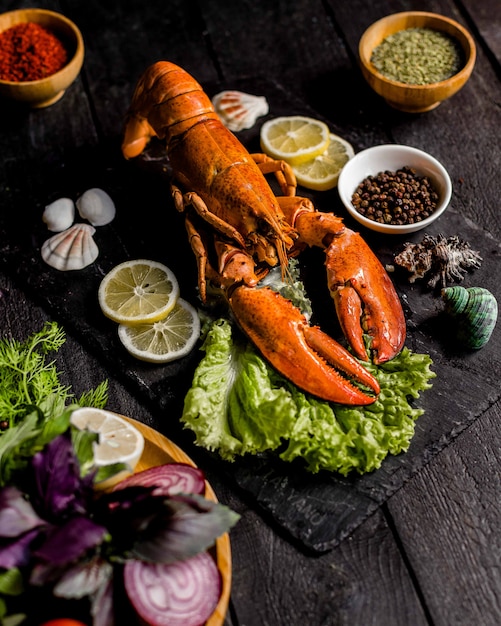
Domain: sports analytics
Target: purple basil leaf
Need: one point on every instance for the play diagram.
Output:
(16, 513)
(17, 553)
(60, 490)
(67, 543)
(84, 579)
(188, 525)
(102, 606)
(127, 513)
(42, 574)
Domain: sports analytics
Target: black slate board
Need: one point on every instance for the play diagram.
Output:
(315, 511)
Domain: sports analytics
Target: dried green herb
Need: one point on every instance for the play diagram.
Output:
(418, 56)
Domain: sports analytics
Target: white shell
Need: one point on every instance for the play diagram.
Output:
(96, 206)
(71, 249)
(239, 110)
(59, 215)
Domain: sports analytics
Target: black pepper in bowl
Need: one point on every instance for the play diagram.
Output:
(399, 198)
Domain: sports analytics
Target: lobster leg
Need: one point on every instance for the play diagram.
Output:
(234, 265)
(282, 170)
(364, 296)
(182, 200)
(304, 354)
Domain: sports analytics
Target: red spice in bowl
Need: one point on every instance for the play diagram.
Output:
(29, 51)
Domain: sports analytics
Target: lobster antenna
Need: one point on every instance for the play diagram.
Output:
(284, 263)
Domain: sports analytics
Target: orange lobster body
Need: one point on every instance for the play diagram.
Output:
(248, 229)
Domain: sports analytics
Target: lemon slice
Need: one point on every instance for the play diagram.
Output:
(166, 340)
(138, 292)
(322, 172)
(119, 440)
(294, 139)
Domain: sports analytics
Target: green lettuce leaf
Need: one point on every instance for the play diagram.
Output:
(232, 405)
(238, 405)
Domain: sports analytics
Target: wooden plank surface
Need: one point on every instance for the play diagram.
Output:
(430, 555)
(292, 496)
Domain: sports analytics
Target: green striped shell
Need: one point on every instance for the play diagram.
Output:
(475, 311)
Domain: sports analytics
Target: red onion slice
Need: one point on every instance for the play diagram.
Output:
(184, 593)
(170, 479)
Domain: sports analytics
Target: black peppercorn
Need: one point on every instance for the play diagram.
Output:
(401, 197)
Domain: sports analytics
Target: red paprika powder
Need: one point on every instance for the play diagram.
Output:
(28, 51)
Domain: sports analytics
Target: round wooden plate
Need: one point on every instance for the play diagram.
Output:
(159, 450)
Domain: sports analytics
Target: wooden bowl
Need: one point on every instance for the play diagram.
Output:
(46, 91)
(415, 98)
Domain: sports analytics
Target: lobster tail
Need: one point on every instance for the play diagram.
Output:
(164, 104)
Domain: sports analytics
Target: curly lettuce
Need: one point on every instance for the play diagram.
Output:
(239, 405)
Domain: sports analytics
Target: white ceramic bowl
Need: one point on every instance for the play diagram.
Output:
(392, 157)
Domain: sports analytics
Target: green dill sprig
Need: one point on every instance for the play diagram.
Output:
(35, 406)
(28, 379)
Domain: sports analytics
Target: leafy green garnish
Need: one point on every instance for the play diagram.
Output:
(27, 380)
(292, 288)
(238, 405)
(35, 406)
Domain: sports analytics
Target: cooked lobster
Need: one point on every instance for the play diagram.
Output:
(248, 229)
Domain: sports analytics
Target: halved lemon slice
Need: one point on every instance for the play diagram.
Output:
(119, 440)
(294, 139)
(322, 172)
(138, 292)
(166, 340)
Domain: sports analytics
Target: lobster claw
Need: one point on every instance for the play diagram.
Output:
(302, 353)
(364, 296)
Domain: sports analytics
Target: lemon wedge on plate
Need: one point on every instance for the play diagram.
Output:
(119, 440)
(322, 172)
(165, 340)
(294, 139)
(138, 292)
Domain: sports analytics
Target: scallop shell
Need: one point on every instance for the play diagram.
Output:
(475, 311)
(96, 206)
(59, 215)
(71, 249)
(239, 110)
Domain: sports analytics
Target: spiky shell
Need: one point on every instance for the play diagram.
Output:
(59, 215)
(475, 311)
(96, 206)
(71, 249)
(239, 110)
(442, 259)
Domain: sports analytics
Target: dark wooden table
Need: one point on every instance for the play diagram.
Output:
(429, 549)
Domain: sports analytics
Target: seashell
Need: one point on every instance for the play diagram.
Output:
(71, 249)
(96, 206)
(239, 110)
(59, 215)
(442, 259)
(475, 311)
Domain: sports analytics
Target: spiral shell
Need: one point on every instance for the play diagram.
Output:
(475, 311)
(59, 215)
(71, 249)
(239, 110)
(96, 206)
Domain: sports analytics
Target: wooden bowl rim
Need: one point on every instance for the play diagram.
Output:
(467, 43)
(30, 14)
